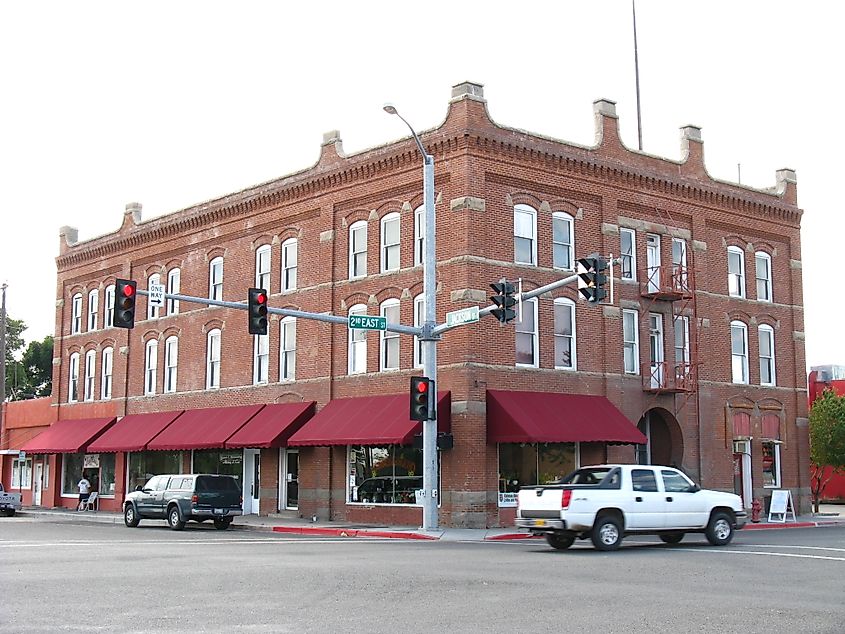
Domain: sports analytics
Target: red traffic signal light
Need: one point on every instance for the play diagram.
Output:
(124, 303)
(257, 307)
(420, 400)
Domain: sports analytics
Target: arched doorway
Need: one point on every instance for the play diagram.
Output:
(665, 441)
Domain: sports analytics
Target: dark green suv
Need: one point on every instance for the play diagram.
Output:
(184, 497)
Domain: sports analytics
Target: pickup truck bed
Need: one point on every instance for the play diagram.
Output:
(10, 503)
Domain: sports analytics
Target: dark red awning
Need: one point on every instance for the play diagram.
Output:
(203, 428)
(370, 420)
(133, 432)
(552, 417)
(273, 425)
(68, 436)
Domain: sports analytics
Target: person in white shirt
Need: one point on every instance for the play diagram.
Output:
(84, 491)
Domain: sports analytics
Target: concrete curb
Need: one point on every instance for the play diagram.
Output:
(350, 532)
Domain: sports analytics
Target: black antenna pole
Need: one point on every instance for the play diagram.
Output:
(637, 73)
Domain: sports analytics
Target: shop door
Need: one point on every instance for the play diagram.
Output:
(38, 483)
(291, 492)
(252, 481)
(652, 253)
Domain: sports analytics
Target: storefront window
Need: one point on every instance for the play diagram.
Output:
(143, 465)
(771, 464)
(71, 472)
(220, 461)
(384, 475)
(98, 469)
(22, 471)
(528, 464)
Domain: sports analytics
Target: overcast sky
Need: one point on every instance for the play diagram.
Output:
(173, 103)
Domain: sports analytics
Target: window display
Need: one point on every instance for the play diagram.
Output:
(384, 475)
(98, 469)
(526, 464)
(143, 465)
(220, 461)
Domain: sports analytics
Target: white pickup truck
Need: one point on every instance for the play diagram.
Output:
(9, 502)
(607, 502)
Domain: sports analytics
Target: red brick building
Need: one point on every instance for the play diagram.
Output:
(702, 348)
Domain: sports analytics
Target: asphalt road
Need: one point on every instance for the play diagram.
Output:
(68, 576)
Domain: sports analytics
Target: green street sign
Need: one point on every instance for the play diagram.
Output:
(463, 316)
(367, 322)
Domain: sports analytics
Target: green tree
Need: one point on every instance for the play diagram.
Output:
(37, 364)
(14, 343)
(827, 441)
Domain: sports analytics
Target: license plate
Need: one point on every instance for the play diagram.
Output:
(218, 511)
(539, 522)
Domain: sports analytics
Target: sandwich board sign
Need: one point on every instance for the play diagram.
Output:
(781, 506)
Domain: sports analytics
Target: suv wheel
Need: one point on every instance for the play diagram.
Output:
(174, 520)
(606, 533)
(560, 541)
(720, 530)
(222, 524)
(130, 516)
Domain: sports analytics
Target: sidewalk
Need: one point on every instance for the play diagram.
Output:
(829, 514)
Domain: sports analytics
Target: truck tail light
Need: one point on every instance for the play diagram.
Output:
(194, 499)
(565, 497)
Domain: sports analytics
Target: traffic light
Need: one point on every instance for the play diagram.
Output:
(421, 388)
(257, 302)
(592, 278)
(124, 304)
(505, 301)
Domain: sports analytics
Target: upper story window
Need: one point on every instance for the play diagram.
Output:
(215, 279)
(212, 359)
(150, 367)
(763, 264)
(739, 352)
(108, 312)
(93, 309)
(287, 349)
(736, 272)
(526, 335)
(682, 355)
(262, 267)
(524, 235)
(261, 359)
(565, 349)
(389, 354)
(174, 286)
(171, 364)
(107, 370)
(358, 249)
(289, 259)
(390, 242)
(680, 272)
(73, 377)
(631, 341)
(357, 353)
(90, 370)
(419, 320)
(766, 336)
(563, 241)
(152, 309)
(419, 235)
(76, 314)
(628, 253)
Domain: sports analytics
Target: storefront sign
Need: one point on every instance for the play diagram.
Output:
(507, 499)
(230, 459)
(91, 461)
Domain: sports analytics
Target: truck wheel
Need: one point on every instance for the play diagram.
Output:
(222, 524)
(672, 538)
(606, 533)
(173, 519)
(9, 512)
(720, 529)
(130, 516)
(560, 541)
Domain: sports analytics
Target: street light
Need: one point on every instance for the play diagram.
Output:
(429, 341)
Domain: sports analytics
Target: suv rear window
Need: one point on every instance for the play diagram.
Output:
(206, 484)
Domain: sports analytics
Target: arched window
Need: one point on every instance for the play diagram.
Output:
(93, 309)
(73, 377)
(262, 267)
(261, 359)
(563, 241)
(389, 349)
(526, 335)
(565, 349)
(289, 261)
(358, 249)
(766, 337)
(90, 370)
(106, 377)
(76, 314)
(419, 235)
(171, 363)
(739, 352)
(763, 264)
(525, 235)
(390, 242)
(109, 307)
(736, 272)
(287, 349)
(150, 366)
(215, 279)
(212, 360)
(357, 352)
(174, 286)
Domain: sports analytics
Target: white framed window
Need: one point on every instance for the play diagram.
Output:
(262, 267)
(215, 279)
(107, 365)
(90, 372)
(682, 340)
(419, 319)
(763, 266)
(171, 364)
(290, 256)
(736, 272)
(150, 366)
(680, 273)
(73, 378)
(287, 349)
(565, 348)
(739, 352)
(174, 286)
(108, 309)
(212, 359)
(358, 249)
(390, 242)
(357, 353)
(631, 341)
(628, 253)
(526, 335)
(152, 309)
(389, 349)
(22, 473)
(419, 235)
(260, 359)
(76, 314)
(524, 235)
(766, 337)
(563, 241)
(93, 309)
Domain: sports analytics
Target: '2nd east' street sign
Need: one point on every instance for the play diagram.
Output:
(366, 322)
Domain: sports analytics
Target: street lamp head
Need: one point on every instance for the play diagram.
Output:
(389, 108)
